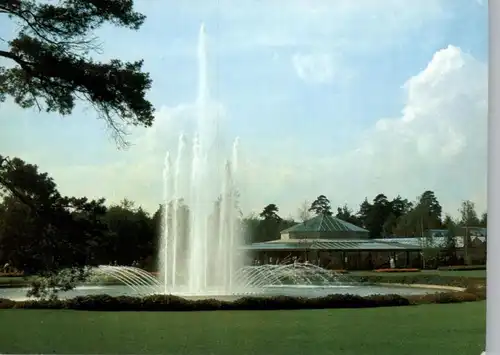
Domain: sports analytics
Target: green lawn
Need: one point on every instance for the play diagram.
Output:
(12, 281)
(431, 329)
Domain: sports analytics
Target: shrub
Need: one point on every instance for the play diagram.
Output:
(478, 290)
(40, 304)
(443, 297)
(6, 303)
(176, 304)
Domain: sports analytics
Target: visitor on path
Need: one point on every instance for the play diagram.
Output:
(392, 263)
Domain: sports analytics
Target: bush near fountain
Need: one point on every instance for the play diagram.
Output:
(179, 304)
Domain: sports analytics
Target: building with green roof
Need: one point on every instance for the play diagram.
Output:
(324, 227)
(331, 242)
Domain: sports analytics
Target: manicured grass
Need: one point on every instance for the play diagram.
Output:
(13, 281)
(452, 329)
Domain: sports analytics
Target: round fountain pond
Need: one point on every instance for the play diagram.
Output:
(295, 280)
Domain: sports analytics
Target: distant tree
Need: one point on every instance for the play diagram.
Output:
(346, 214)
(270, 224)
(424, 215)
(303, 212)
(448, 222)
(321, 206)
(131, 234)
(389, 226)
(400, 206)
(251, 230)
(51, 66)
(429, 210)
(377, 215)
(127, 204)
(483, 222)
(270, 212)
(468, 214)
(363, 213)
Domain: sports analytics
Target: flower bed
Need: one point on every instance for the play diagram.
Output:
(397, 270)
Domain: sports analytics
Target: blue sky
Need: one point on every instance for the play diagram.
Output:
(307, 87)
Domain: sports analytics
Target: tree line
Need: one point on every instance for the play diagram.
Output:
(42, 230)
(382, 217)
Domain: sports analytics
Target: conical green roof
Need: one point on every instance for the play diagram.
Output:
(324, 223)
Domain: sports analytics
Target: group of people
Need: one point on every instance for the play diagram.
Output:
(277, 261)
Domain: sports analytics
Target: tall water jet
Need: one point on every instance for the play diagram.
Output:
(235, 157)
(176, 198)
(200, 244)
(167, 170)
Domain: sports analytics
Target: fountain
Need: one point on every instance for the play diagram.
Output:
(203, 260)
(255, 280)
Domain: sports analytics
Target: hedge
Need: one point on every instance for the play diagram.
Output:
(173, 303)
(462, 267)
(475, 290)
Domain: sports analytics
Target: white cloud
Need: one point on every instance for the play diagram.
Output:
(321, 68)
(314, 68)
(438, 142)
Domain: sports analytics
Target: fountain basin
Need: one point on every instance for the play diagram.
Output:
(307, 291)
